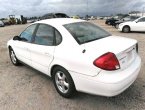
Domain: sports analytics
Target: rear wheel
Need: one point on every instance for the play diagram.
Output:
(126, 29)
(13, 57)
(63, 82)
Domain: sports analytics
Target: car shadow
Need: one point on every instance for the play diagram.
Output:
(138, 32)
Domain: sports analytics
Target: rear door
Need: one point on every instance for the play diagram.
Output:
(43, 46)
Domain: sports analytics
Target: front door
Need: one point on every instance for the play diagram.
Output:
(21, 46)
(139, 25)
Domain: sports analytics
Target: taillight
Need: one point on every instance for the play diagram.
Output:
(107, 61)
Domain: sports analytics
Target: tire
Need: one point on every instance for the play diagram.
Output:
(13, 57)
(63, 82)
(126, 29)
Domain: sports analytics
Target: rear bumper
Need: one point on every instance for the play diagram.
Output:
(107, 84)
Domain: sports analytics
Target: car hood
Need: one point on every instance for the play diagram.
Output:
(120, 21)
(128, 22)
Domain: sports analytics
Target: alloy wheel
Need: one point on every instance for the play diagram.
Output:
(126, 29)
(61, 82)
(13, 57)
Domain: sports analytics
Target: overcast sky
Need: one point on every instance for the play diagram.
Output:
(70, 7)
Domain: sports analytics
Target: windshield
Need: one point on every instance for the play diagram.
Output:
(129, 18)
(84, 32)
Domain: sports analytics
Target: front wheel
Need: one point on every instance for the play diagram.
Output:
(63, 82)
(13, 57)
(126, 29)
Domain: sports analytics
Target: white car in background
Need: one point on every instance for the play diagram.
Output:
(78, 55)
(1, 24)
(136, 25)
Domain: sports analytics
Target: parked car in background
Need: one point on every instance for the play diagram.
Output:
(2, 24)
(92, 18)
(136, 25)
(111, 21)
(54, 15)
(6, 22)
(78, 55)
(75, 17)
(125, 19)
(32, 20)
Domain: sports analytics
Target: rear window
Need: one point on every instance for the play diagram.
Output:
(84, 32)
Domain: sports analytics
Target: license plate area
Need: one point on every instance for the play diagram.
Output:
(127, 57)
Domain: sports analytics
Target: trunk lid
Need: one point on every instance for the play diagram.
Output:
(123, 48)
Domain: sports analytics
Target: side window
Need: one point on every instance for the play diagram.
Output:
(58, 37)
(44, 35)
(27, 34)
(141, 20)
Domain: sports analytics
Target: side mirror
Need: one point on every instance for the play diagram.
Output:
(16, 38)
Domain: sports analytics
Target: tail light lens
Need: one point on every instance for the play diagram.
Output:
(107, 61)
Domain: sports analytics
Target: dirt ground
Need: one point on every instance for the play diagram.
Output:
(22, 88)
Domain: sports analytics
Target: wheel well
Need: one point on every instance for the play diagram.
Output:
(9, 47)
(52, 68)
(126, 26)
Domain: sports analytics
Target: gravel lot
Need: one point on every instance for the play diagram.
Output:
(22, 88)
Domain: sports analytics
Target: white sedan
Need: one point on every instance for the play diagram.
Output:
(136, 25)
(78, 55)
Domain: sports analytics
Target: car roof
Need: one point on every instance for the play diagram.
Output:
(59, 21)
